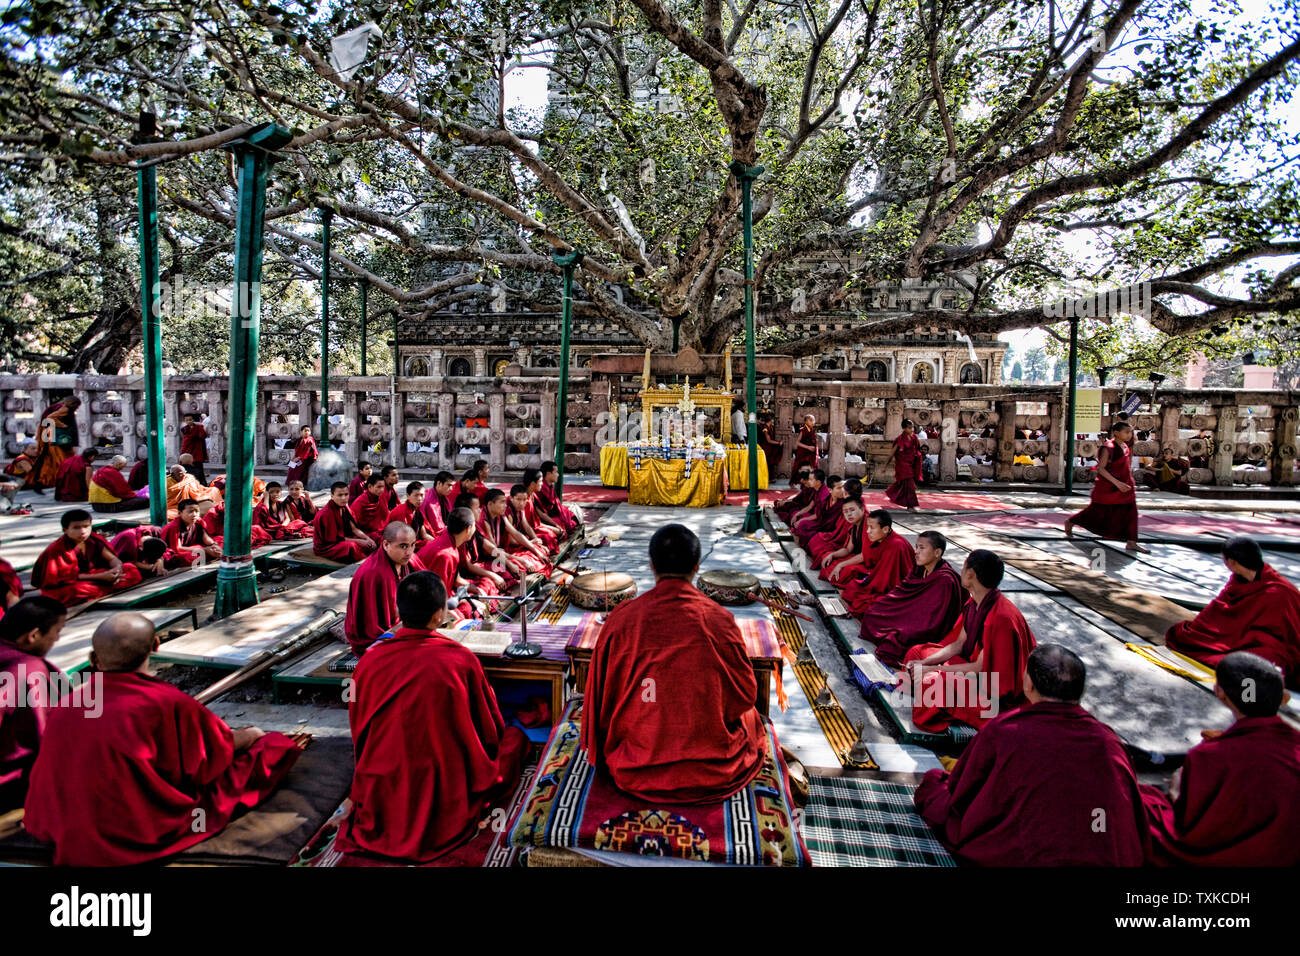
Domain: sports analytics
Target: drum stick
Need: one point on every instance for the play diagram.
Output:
(781, 607)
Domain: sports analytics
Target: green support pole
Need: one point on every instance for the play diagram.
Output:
(365, 288)
(568, 262)
(326, 220)
(147, 188)
(236, 578)
(1069, 412)
(747, 175)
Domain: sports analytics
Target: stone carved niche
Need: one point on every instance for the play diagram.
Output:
(923, 372)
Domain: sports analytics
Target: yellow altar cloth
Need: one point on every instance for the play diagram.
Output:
(665, 483)
(614, 467)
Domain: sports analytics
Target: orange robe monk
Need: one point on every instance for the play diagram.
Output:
(179, 490)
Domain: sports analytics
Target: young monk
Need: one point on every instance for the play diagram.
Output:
(787, 507)
(500, 532)
(372, 595)
(391, 478)
(709, 742)
(852, 514)
(522, 516)
(825, 514)
(1044, 785)
(807, 446)
(488, 566)
(28, 631)
(357, 486)
(1258, 610)
(824, 542)
(371, 509)
(187, 537)
(175, 771)
(550, 502)
(274, 516)
(816, 503)
(906, 456)
(110, 492)
(481, 472)
(979, 672)
(411, 512)
(335, 534)
(1112, 511)
(1236, 799)
(442, 556)
(886, 559)
(79, 565)
(532, 482)
(923, 608)
(432, 752)
(300, 503)
(73, 480)
(304, 453)
(194, 442)
(144, 548)
(437, 504)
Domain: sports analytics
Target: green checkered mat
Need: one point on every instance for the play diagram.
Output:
(859, 821)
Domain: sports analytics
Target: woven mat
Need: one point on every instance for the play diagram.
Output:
(555, 610)
(858, 821)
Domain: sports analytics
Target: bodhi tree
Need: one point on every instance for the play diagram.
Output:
(1012, 152)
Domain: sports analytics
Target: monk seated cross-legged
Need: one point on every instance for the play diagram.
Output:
(977, 673)
(495, 526)
(836, 557)
(300, 504)
(669, 712)
(433, 754)
(886, 559)
(187, 537)
(1236, 799)
(182, 486)
(370, 511)
(357, 486)
(836, 530)
(1046, 784)
(523, 516)
(372, 594)
(442, 556)
(787, 507)
(274, 516)
(28, 631)
(549, 506)
(138, 769)
(812, 510)
(488, 568)
(824, 512)
(921, 609)
(80, 566)
(437, 503)
(410, 511)
(1258, 610)
(335, 534)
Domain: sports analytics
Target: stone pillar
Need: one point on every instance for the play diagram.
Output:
(602, 428)
(435, 363)
(1225, 443)
(217, 426)
(130, 440)
(547, 444)
(84, 416)
(171, 426)
(480, 362)
(835, 432)
(497, 423)
(446, 430)
(1170, 413)
(397, 422)
(350, 430)
(893, 418)
(784, 424)
(1006, 449)
(948, 427)
(1055, 434)
(1284, 441)
(260, 419)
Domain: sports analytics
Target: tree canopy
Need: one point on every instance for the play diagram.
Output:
(1018, 152)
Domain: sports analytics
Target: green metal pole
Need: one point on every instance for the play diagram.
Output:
(747, 175)
(568, 262)
(236, 578)
(326, 220)
(1069, 412)
(365, 288)
(147, 188)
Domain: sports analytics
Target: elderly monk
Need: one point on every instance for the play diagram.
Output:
(182, 486)
(371, 510)
(979, 672)
(334, 531)
(79, 565)
(372, 595)
(437, 502)
(1258, 610)
(549, 502)
(73, 480)
(832, 539)
(357, 486)
(442, 556)
(139, 770)
(433, 754)
(523, 516)
(274, 516)
(110, 492)
(825, 511)
(496, 528)
(669, 710)
(1044, 785)
(27, 633)
(816, 503)
(300, 503)
(411, 512)
(144, 548)
(1236, 799)
(187, 537)
(886, 559)
(849, 548)
(921, 609)
(24, 466)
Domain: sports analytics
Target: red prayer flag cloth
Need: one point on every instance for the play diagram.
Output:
(372, 599)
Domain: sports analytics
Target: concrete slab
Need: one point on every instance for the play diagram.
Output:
(72, 652)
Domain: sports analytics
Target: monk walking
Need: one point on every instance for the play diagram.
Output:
(906, 456)
(28, 631)
(79, 565)
(304, 453)
(1113, 511)
(56, 436)
(175, 772)
(372, 595)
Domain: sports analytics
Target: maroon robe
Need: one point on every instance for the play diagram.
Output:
(194, 442)
(475, 552)
(59, 565)
(356, 488)
(824, 542)
(812, 522)
(305, 452)
(907, 471)
(853, 541)
(442, 557)
(669, 709)
(1112, 513)
(126, 545)
(786, 508)
(554, 509)
(371, 514)
(9, 584)
(332, 531)
(152, 774)
(279, 521)
(884, 563)
(545, 536)
(435, 509)
(1030, 790)
(111, 480)
(772, 449)
(1239, 801)
(494, 531)
(921, 609)
(372, 599)
(432, 752)
(181, 538)
(22, 721)
(303, 507)
(414, 517)
(139, 477)
(71, 484)
(804, 457)
(1260, 616)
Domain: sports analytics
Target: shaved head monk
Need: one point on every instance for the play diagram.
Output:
(80, 566)
(137, 769)
(1236, 799)
(669, 710)
(921, 609)
(786, 507)
(182, 486)
(1258, 610)
(886, 558)
(334, 532)
(411, 511)
(370, 511)
(1043, 785)
(442, 555)
(372, 595)
(432, 752)
(357, 486)
(437, 502)
(28, 632)
(548, 504)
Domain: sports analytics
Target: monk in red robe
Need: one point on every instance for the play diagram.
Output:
(524, 518)
(110, 492)
(391, 478)
(27, 633)
(372, 595)
(23, 467)
(410, 511)
(482, 472)
(1234, 800)
(786, 508)
(433, 754)
(1112, 511)
(832, 539)
(176, 773)
(371, 510)
(825, 517)
(274, 516)
(1044, 785)
(979, 671)
(853, 521)
(300, 503)
(885, 560)
(923, 608)
(807, 446)
(906, 457)
(73, 480)
(772, 448)
(357, 486)
(11, 588)
(816, 505)
(550, 502)
(144, 548)
(79, 565)
(669, 709)
(56, 436)
(304, 453)
(214, 523)
(437, 502)
(442, 556)
(194, 442)
(1258, 610)
(532, 482)
(139, 477)
(500, 532)
(488, 567)
(188, 538)
(334, 531)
